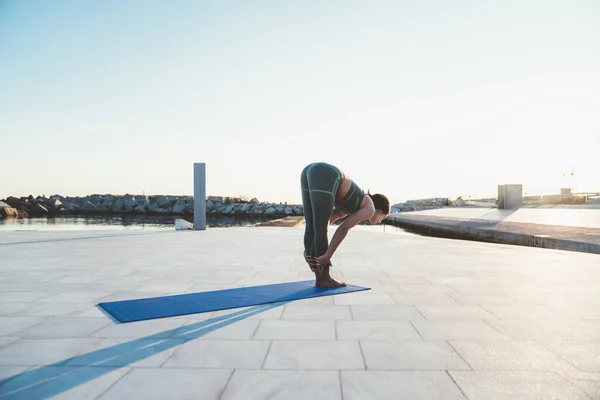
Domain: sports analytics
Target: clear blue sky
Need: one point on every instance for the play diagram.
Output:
(410, 98)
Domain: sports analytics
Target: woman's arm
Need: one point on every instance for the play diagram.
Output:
(340, 233)
(335, 216)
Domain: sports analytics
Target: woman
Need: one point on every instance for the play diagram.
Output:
(328, 194)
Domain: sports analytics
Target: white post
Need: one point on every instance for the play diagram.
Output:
(200, 196)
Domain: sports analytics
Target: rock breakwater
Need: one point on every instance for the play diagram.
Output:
(157, 204)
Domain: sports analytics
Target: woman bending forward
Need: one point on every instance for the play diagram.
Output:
(328, 195)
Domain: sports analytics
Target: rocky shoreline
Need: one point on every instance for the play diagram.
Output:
(128, 204)
(41, 206)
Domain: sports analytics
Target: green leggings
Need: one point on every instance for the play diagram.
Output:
(319, 182)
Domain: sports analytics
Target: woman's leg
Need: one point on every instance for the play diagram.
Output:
(308, 222)
(309, 234)
(319, 183)
(323, 182)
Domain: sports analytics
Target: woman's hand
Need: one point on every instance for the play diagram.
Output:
(324, 260)
(311, 261)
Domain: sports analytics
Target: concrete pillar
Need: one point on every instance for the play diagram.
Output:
(510, 196)
(200, 196)
(514, 196)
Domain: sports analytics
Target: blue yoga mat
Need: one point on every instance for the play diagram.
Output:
(170, 306)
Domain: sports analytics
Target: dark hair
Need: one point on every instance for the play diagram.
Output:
(381, 202)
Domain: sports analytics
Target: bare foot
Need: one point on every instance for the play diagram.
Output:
(326, 280)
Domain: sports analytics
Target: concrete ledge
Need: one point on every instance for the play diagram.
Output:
(287, 222)
(578, 239)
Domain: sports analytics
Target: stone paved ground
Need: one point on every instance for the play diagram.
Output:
(445, 319)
